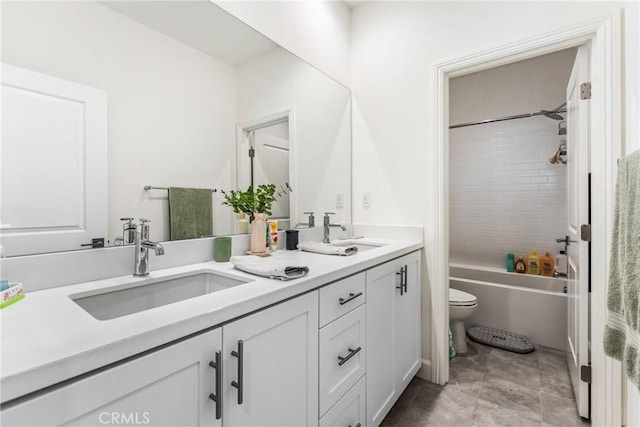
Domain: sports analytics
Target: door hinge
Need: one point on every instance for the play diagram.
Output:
(585, 232)
(585, 374)
(252, 152)
(585, 90)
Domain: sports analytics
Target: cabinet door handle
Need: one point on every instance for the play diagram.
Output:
(403, 280)
(217, 365)
(357, 425)
(352, 296)
(401, 274)
(343, 359)
(405, 273)
(238, 384)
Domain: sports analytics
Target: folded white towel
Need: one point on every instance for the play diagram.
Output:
(327, 249)
(268, 268)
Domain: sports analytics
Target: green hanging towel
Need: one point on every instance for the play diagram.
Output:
(190, 213)
(622, 328)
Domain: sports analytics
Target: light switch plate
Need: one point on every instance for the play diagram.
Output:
(339, 200)
(366, 200)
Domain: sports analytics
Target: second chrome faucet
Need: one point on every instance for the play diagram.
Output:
(327, 227)
(143, 244)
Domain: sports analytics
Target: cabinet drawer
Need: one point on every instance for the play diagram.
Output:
(341, 297)
(342, 356)
(350, 410)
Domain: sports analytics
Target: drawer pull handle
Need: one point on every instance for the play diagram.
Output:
(352, 296)
(357, 425)
(217, 365)
(239, 354)
(352, 352)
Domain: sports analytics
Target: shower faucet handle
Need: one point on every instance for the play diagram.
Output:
(566, 240)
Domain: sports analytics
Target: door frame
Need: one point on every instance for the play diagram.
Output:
(604, 33)
(242, 132)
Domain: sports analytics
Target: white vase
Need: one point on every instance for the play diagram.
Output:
(259, 233)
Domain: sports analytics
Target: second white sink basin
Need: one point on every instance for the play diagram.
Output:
(152, 293)
(361, 246)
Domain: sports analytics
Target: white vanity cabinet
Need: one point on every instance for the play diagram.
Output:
(393, 332)
(343, 351)
(166, 387)
(274, 375)
(274, 366)
(340, 354)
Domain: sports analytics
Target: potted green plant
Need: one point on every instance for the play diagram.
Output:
(255, 203)
(252, 201)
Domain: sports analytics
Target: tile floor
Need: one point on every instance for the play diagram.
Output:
(492, 387)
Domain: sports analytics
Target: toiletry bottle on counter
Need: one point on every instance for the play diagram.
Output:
(511, 263)
(561, 263)
(547, 265)
(273, 235)
(521, 266)
(533, 263)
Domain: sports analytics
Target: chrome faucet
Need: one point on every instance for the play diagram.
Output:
(143, 244)
(311, 222)
(327, 226)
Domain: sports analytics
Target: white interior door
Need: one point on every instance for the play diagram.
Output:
(578, 250)
(271, 165)
(54, 163)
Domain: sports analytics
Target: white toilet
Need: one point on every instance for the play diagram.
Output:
(461, 306)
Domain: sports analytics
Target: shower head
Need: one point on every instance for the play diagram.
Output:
(552, 114)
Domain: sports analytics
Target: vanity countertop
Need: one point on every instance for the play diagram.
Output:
(47, 338)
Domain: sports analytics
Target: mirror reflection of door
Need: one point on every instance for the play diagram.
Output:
(271, 166)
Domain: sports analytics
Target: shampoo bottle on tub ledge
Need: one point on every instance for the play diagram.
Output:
(521, 266)
(533, 266)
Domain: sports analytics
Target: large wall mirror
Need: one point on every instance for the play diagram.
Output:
(104, 99)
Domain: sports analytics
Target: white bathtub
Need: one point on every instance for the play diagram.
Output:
(534, 306)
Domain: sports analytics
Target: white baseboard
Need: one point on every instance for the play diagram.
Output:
(425, 370)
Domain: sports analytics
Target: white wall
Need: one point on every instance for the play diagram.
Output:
(505, 196)
(632, 143)
(152, 115)
(393, 47)
(316, 31)
(320, 146)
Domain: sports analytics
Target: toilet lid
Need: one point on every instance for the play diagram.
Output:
(458, 297)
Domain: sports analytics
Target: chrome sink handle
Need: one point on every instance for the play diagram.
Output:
(143, 244)
(327, 225)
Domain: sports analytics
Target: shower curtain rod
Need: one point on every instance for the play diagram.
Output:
(517, 116)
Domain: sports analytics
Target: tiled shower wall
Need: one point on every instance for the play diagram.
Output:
(505, 196)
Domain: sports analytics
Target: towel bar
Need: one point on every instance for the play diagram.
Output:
(151, 187)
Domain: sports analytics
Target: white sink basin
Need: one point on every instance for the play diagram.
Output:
(145, 295)
(361, 246)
